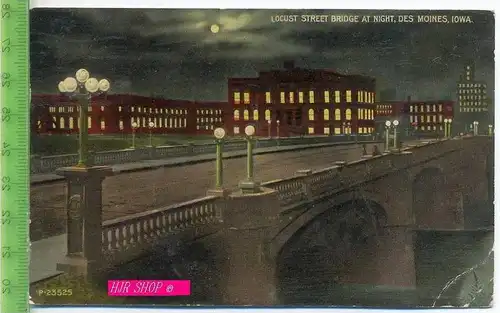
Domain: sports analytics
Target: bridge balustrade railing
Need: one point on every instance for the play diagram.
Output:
(290, 190)
(47, 164)
(133, 235)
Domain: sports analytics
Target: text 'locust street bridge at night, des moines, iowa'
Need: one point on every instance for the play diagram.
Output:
(371, 211)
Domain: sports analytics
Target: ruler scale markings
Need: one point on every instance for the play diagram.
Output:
(14, 156)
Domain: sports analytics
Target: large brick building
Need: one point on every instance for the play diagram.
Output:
(109, 114)
(297, 101)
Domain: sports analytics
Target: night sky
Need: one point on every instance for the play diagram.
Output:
(173, 53)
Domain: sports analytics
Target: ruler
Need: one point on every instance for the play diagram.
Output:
(15, 150)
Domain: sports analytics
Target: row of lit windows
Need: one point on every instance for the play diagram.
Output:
(429, 127)
(428, 107)
(471, 97)
(172, 122)
(383, 106)
(471, 91)
(384, 112)
(208, 120)
(208, 112)
(428, 118)
(363, 114)
(470, 103)
(470, 110)
(362, 96)
(156, 110)
(471, 85)
(338, 130)
(206, 127)
(70, 123)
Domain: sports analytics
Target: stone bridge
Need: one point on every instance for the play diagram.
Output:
(380, 202)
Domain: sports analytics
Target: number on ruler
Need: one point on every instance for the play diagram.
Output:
(5, 252)
(5, 149)
(6, 183)
(5, 286)
(5, 114)
(6, 45)
(5, 217)
(5, 11)
(5, 80)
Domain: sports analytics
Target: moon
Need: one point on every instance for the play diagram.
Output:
(214, 28)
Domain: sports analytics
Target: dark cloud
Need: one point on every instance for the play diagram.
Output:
(172, 52)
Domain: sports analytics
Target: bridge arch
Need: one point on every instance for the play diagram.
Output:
(337, 247)
(374, 202)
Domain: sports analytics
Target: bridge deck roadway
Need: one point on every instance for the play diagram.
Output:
(134, 192)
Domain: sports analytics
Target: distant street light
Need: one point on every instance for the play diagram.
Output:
(476, 128)
(134, 128)
(269, 128)
(151, 125)
(83, 87)
(447, 127)
(249, 185)
(490, 130)
(387, 129)
(278, 129)
(219, 134)
(395, 123)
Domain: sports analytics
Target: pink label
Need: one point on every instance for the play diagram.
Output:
(149, 288)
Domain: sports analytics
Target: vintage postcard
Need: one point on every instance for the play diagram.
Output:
(262, 157)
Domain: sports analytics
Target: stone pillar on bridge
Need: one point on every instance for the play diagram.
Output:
(250, 221)
(84, 219)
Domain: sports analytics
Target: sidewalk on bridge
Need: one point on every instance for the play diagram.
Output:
(44, 256)
(170, 162)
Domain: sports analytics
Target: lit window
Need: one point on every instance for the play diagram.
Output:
(267, 114)
(311, 114)
(236, 130)
(428, 118)
(236, 115)
(282, 97)
(268, 97)
(61, 123)
(132, 109)
(246, 97)
(236, 97)
(348, 114)
(348, 96)
(290, 97)
(337, 96)
(411, 118)
(89, 123)
(440, 108)
(337, 130)
(360, 130)
(428, 108)
(326, 130)
(102, 108)
(121, 125)
(139, 109)
(411, 108)
(311, 96)
(245, 115)
(440, 118)
(337, 115)
(310, 130)
(360, 95)
(71, 123)
(421, 108)
(327, 96)
(301, 97)
(103, 124)
(326, 114)
(366, 96)
(255, 115)
(119, 108)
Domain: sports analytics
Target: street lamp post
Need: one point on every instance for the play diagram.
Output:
(447, 127)
(151, 125)
(134, 128)
(490, 130)
(476, 127)
(269, 128)
(278, 129)
(249, 185)
(395, 123)
(219, 134)
(83, 87)
(387, 129)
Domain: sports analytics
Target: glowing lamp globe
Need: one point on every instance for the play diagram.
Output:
(104, 85)
(151, 124)
(134, 125)
(219, 133)
(61, 87)
(387, 123)
(396, 123)
(92, 85)
(250, 130)
(82, 75)
(70, 84)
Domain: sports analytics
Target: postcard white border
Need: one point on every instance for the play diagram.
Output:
(280, 4)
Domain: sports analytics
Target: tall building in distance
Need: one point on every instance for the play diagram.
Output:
(296, 101)
(472, 104)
